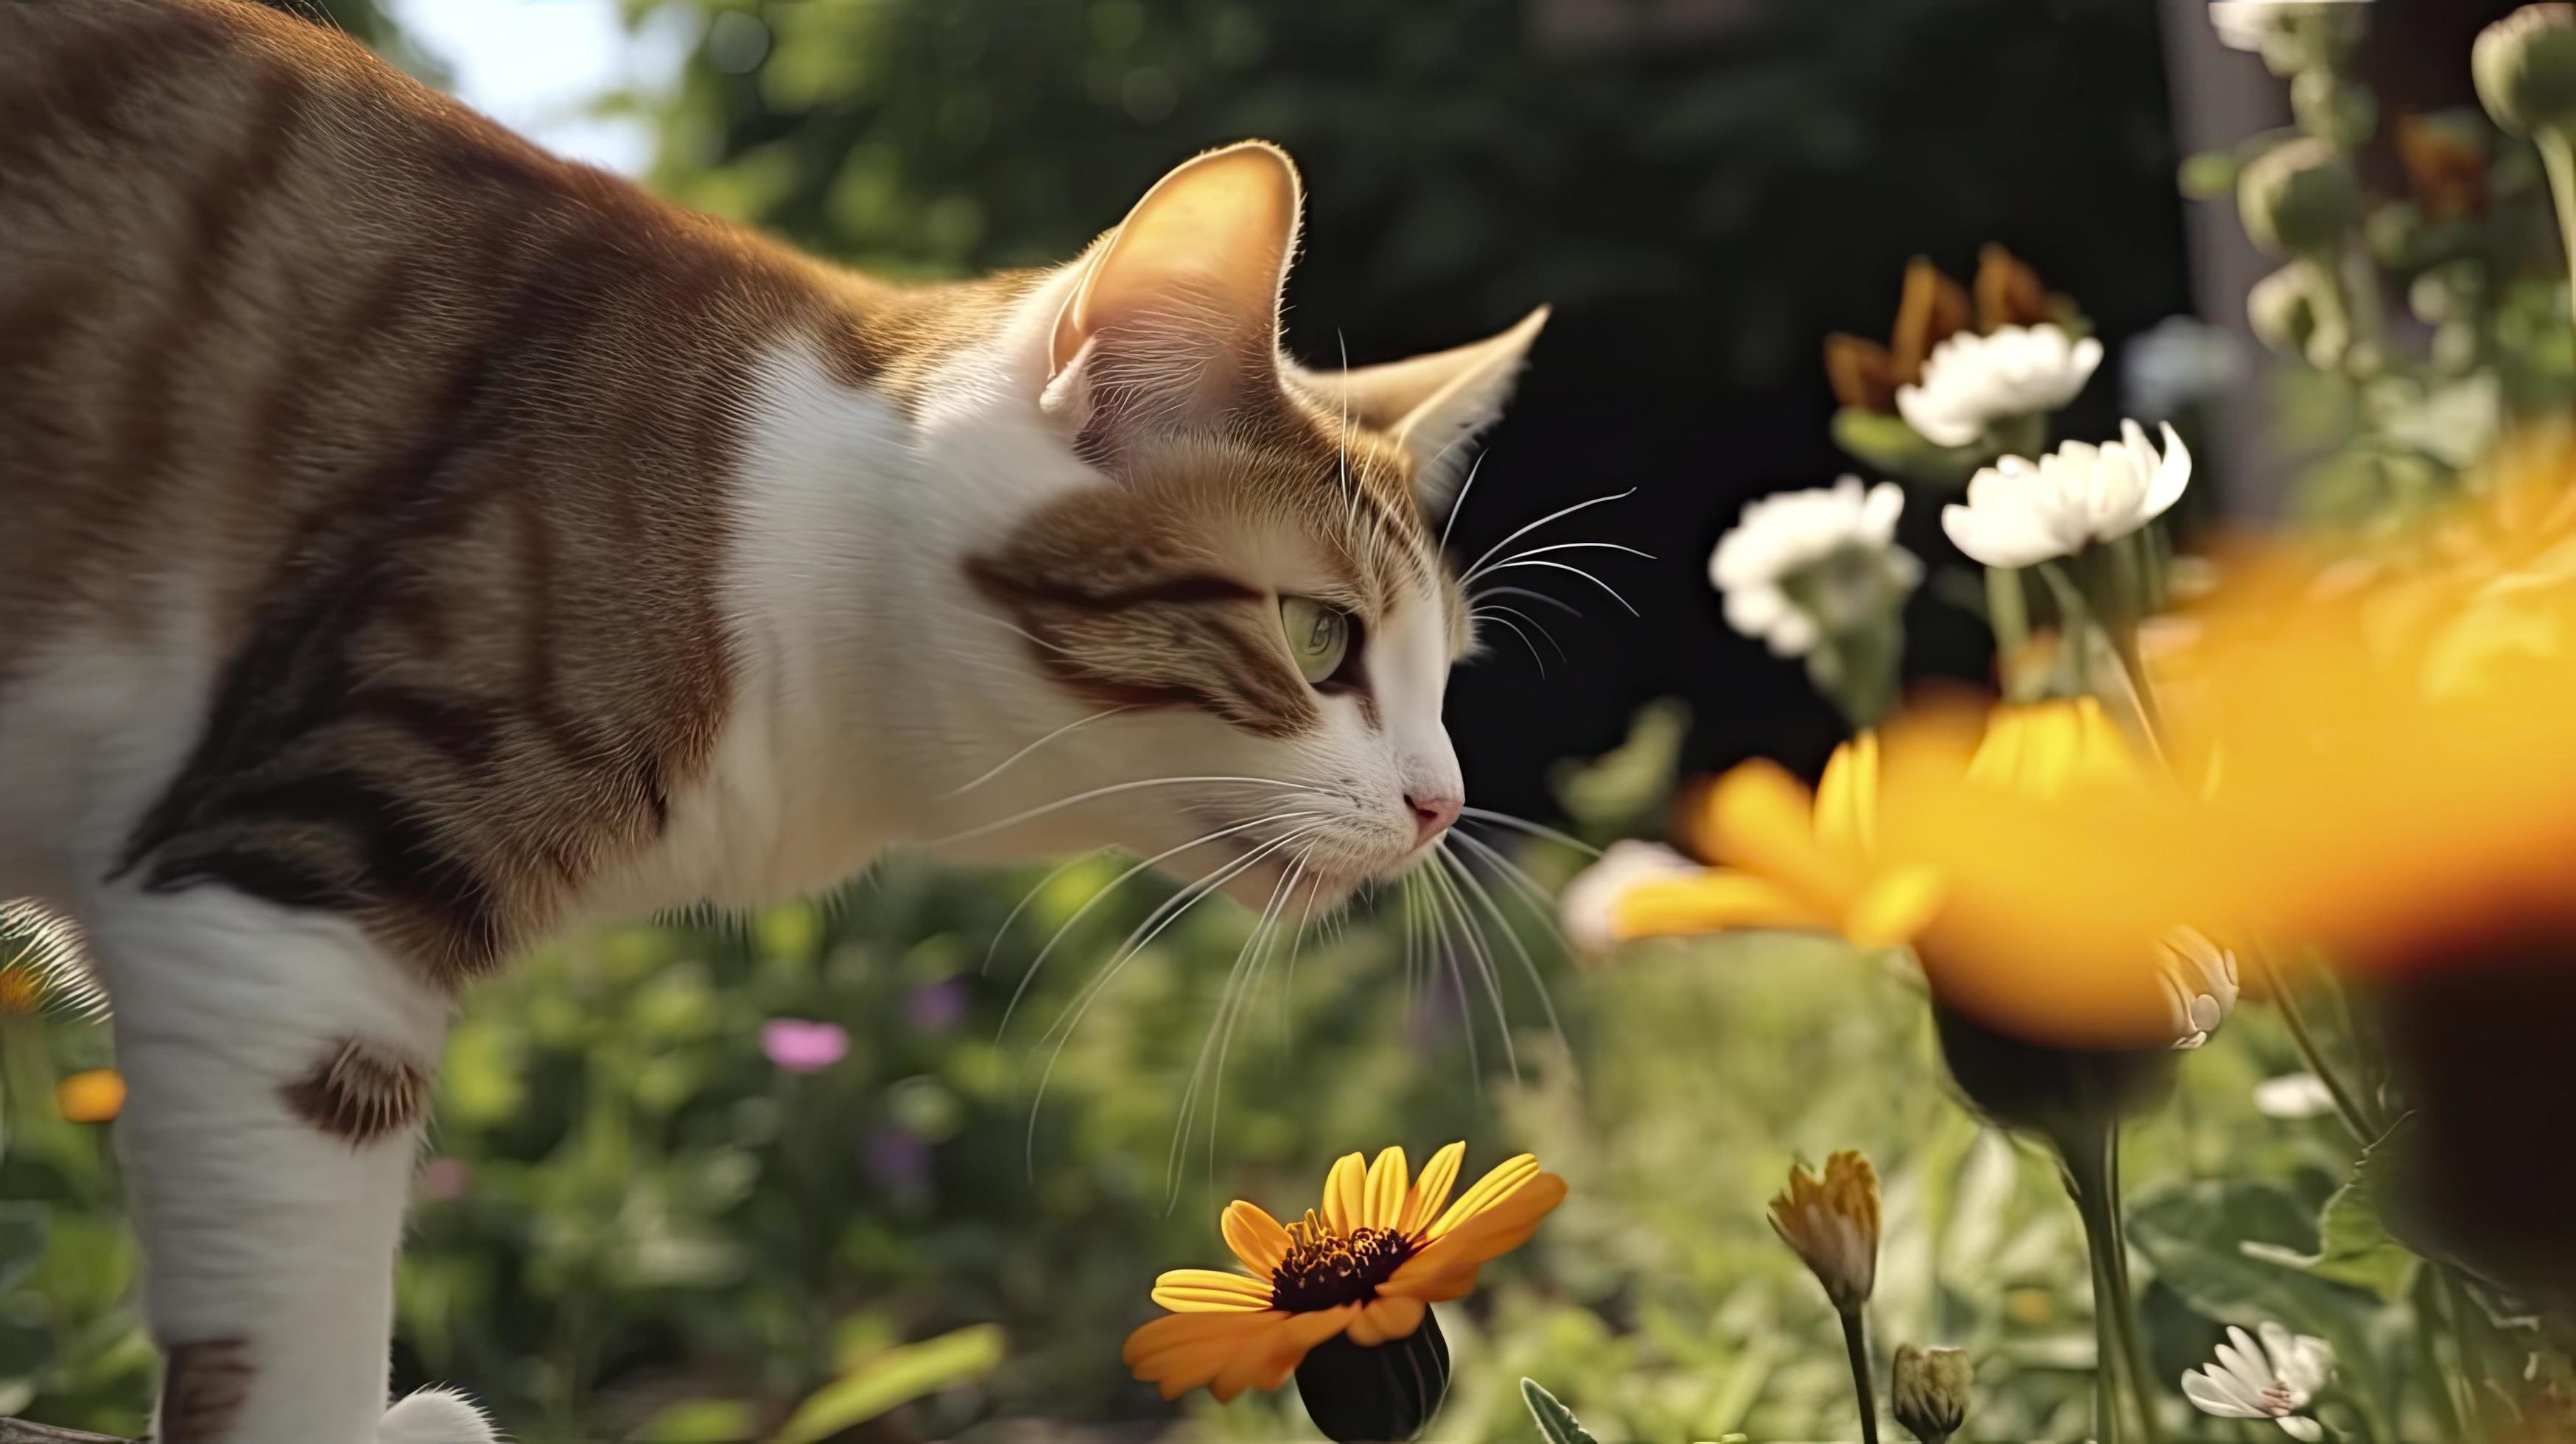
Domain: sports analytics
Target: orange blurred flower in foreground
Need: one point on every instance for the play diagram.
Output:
(96, 1096)
(1366, 1264)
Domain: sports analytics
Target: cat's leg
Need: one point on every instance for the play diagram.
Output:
(278, 1067)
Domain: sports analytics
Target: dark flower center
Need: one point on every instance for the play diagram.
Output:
(1325, 1269)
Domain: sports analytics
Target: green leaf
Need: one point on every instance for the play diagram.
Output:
(1555, 1421)
(2222, 1246)
(699, 1421)
(892, 1378)
(22, 1241)
(2353, 1248)
(1888, 444)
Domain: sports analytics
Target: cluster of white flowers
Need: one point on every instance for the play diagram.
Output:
(1801, 565)
(2273, 1381)
(1970, 382)
(2020, 513)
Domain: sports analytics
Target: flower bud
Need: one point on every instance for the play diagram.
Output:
(1831, 1223)
(2525, 68)
(2299, 197)
(1930, 1395)
(1389, 1392)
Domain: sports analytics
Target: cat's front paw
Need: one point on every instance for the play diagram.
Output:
(436, 1416)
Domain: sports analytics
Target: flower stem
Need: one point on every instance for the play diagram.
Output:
(2365, 1130)
(2558, 157)
(1856, 1343)
(2091, 1159)
(2008, 613)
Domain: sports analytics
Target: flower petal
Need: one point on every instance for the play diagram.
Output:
(1206, 1291)
(1383, 1192)
(1431, 1189)
(2212, 1397)
(1846, 810)
(1499, 1183)
(1894, 907)
(1256, 1237)
(1385, 1319)
(2302, 1428)
(1707, 902)
(1492, 1233)
(1345, 1192)
(1180, 1352)
(1761, 819)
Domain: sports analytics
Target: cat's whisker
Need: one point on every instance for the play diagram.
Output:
(1502, 609)
(1478, 949)
(1458, 503)
(1529, 965)
(1479, 565)
(1239, 982)
(1002, 766)
(1079, 798)
(1026, 898)
(1445, 947)
(1521, 883)
(1578, 571)
(1484, 615)
(1171, 911)
(1559, 603)
(1489, 569)
(1030, 975)
(1523, 824)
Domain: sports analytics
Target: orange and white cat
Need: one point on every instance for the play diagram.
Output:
(411, 543)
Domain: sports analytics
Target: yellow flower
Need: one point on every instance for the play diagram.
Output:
(96, 1096)
(1367, 1263)
(1792, 860)
(1832, 1223)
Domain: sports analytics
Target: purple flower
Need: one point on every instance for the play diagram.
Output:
(936, 1007)
(446, 1178)
(897, 1159)
(801, 1045)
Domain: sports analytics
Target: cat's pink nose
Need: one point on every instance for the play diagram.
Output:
(1431, 815)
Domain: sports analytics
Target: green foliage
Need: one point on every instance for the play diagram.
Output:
(1556, 1423)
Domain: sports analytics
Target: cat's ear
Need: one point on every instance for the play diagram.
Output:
(1432, 405)
(1177, 311)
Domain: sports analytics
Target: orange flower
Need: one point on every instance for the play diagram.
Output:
(1367, 1263)
(1933, 308)
(96, 1096)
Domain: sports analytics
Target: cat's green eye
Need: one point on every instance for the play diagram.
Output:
(1319, 637)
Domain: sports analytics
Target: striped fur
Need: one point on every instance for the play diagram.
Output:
(414, 542)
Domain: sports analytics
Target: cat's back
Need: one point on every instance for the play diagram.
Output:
(247, 268)
(357, 458)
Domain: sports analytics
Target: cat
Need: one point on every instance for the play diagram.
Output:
(415, 543)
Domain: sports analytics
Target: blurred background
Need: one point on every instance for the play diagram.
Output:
(649, 1217)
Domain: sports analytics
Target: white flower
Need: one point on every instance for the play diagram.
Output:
(2200, 979)
(2020, 513)
(2242, 24)
(2293, 1096)
(1972, 381)
(1803, 565)
(2273, 1382)
(1589, 905)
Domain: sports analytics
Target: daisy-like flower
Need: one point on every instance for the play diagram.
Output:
(1831, 1222)
(2020, 513)
(1971, 381)
(1803, 566)
(1365, 1265)
(2274, 1381)
(1795, 860)
(2201, 978)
